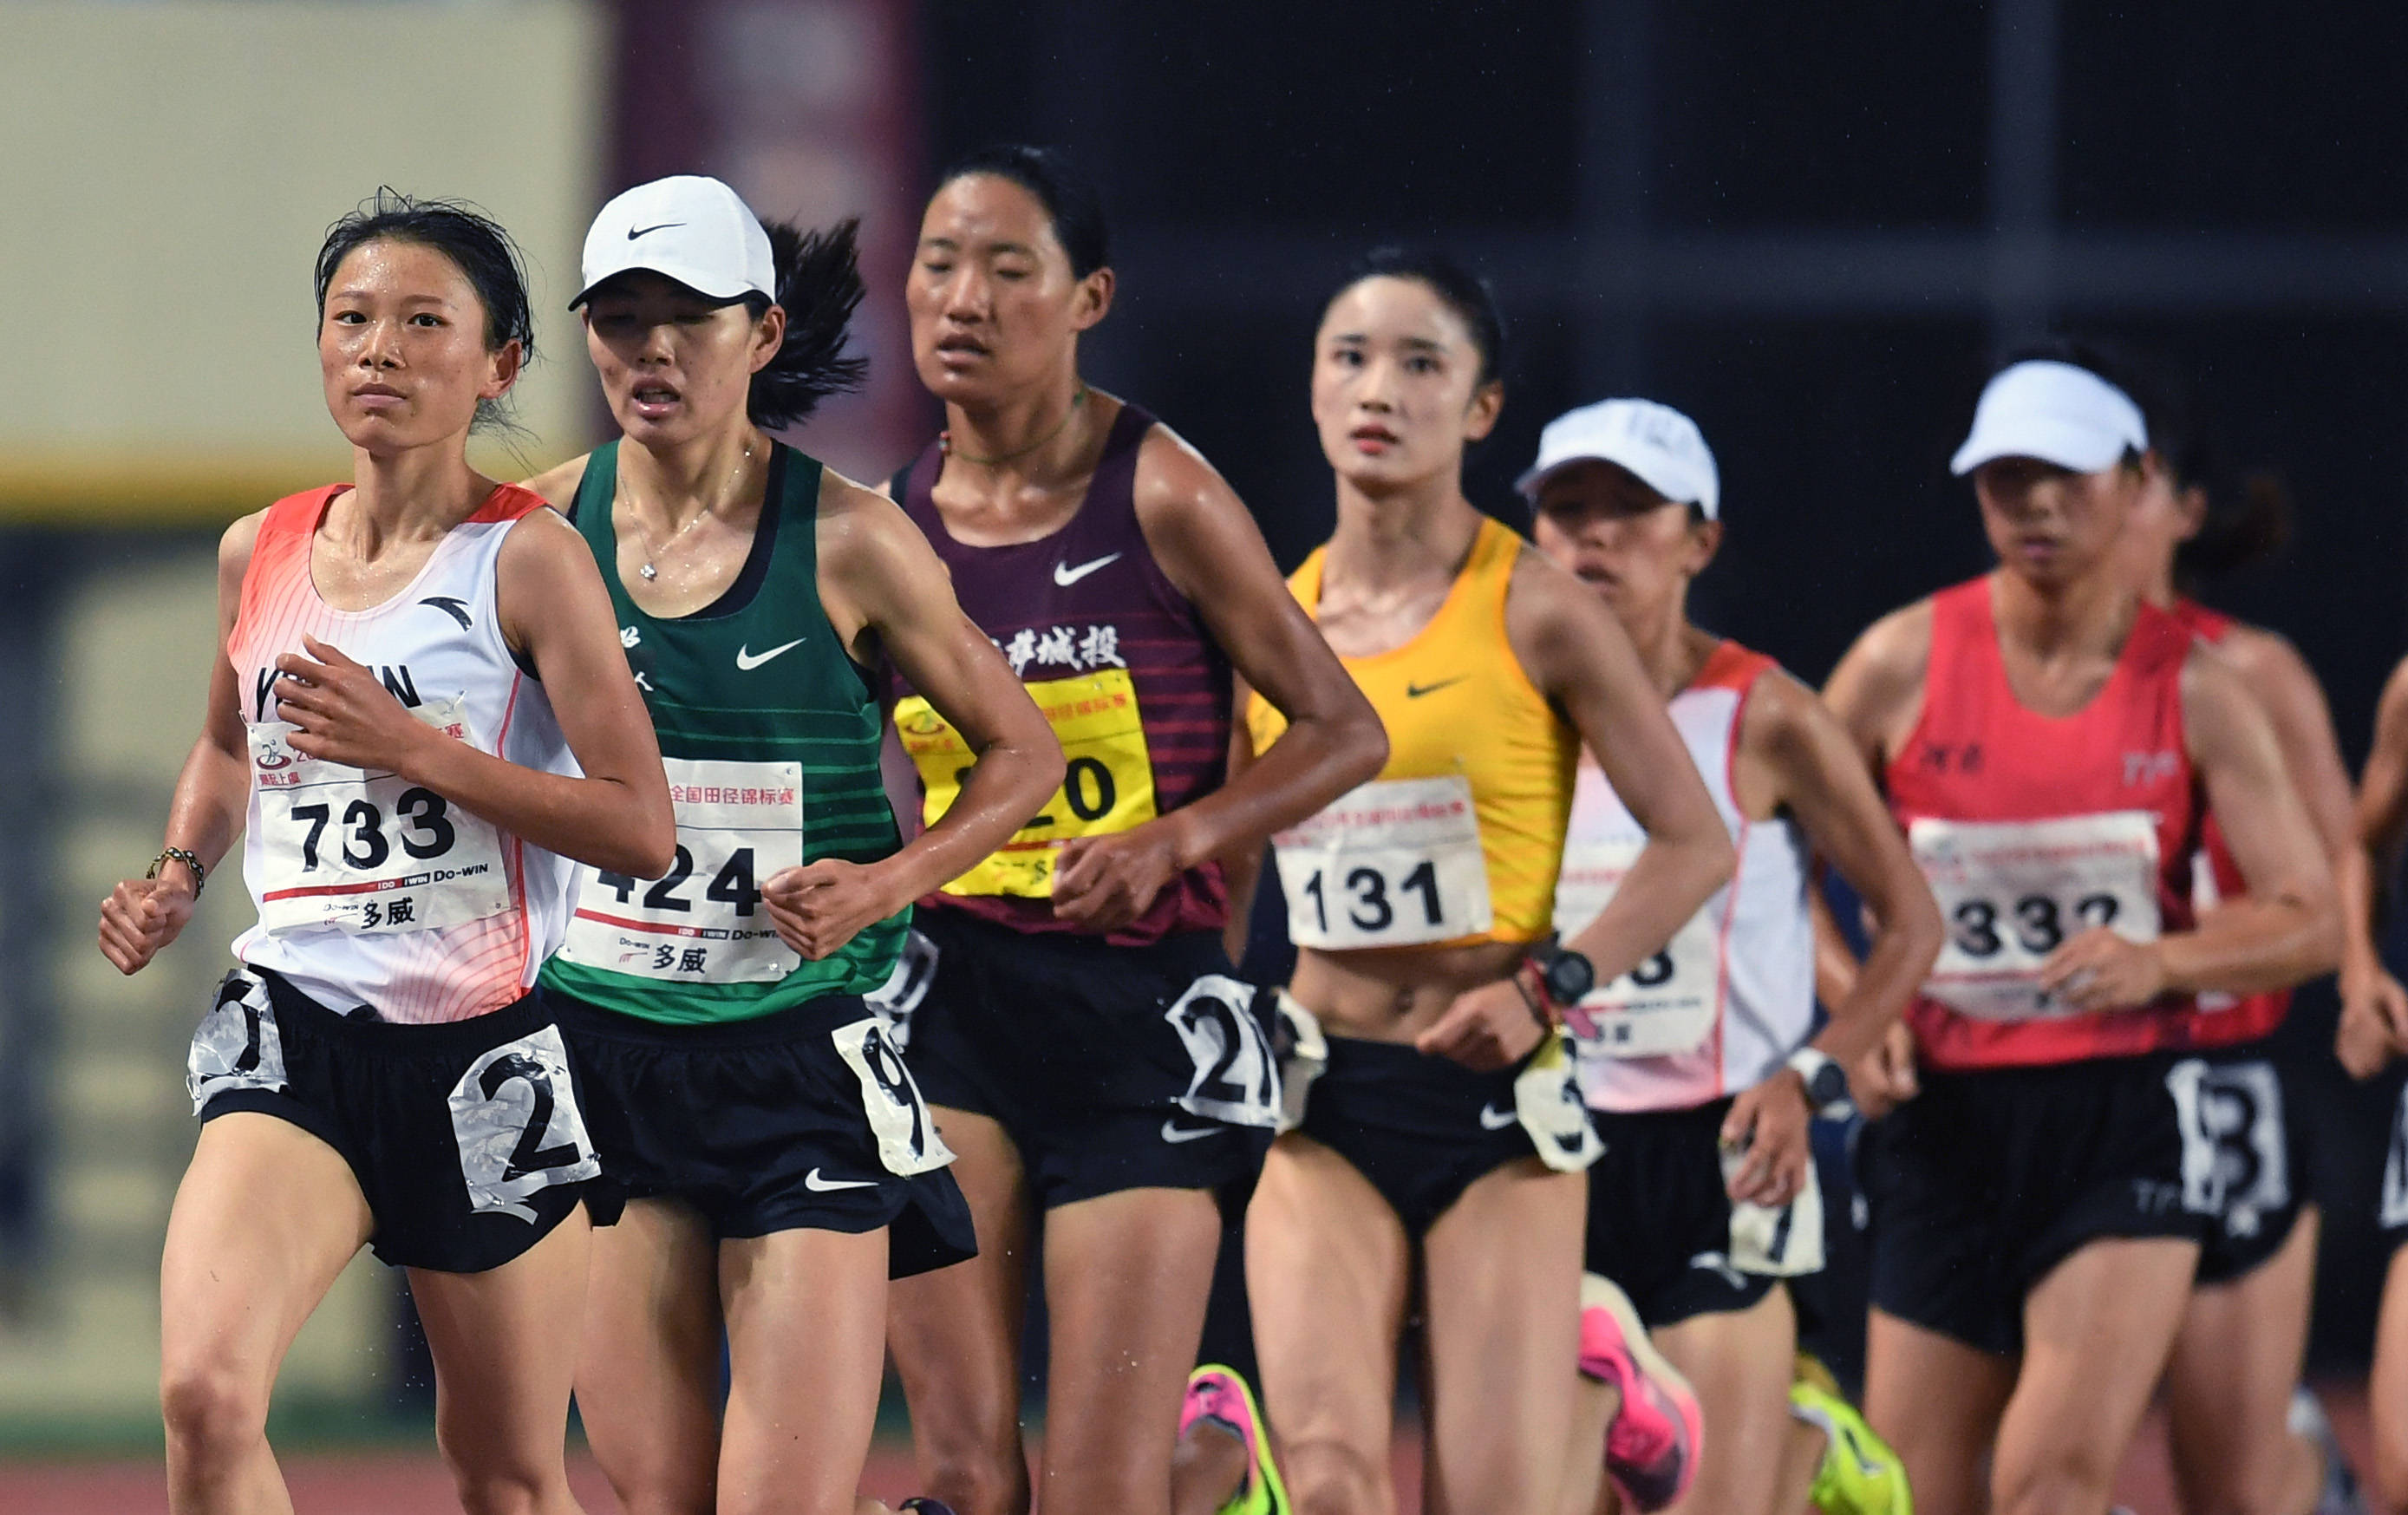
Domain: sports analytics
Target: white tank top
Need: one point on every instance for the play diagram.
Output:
(370, 890)
(1732, 994)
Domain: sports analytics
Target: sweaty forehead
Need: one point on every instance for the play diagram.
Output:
(392, 265)
(988, 211)
(1387, 309)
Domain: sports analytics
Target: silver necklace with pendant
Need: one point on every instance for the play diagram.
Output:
(650, 569)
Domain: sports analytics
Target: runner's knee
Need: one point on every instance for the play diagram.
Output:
(1327, 1479)
(507, 1489)
(976, 1483)
(2063, 1480)
(212, 1409)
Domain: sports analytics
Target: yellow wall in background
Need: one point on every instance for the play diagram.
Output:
(166, 172)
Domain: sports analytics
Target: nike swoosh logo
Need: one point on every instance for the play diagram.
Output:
(1719, 1263)
(812, 1181)
(1173, 1131)
(746, 661)
(1492, 1119)
(1415, 691)
(634, 232)
(1066, 576)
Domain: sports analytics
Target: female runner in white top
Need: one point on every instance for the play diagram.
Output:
(423, 323)
(1627, 498)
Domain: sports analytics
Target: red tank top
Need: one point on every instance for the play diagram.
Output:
(2223, 1020)
(1126, 672)
(2032, 828)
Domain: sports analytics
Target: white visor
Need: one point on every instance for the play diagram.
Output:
(695, 230)
(2055, 412)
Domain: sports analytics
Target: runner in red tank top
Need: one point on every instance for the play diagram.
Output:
(2052, 746)
(2374, 1033)
(2232, 1387)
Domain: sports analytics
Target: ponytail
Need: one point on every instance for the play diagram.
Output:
(2246, 521)
(818, 287)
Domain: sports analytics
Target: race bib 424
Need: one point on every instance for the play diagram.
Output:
(737, 825)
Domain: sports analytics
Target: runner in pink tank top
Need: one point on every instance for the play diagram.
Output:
(2243, 1431)
(2051, 745)
(418, 711)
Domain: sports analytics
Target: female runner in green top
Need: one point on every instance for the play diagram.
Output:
(779, 1159)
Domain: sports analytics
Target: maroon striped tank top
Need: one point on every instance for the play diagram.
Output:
(1128, 675)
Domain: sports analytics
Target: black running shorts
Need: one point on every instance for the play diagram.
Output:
(781, 1123)
(1659, 1218)
(2248, 1113)
(2391, 1212)
(1109, 1068)
(1986, 1180)
(1420, 1128)
(468, 1138)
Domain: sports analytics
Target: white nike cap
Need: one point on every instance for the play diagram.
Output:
(1656, 442)
(693, 229)
(2057, 412)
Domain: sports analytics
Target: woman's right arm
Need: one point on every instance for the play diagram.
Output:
(2285, 929)
(212, 792)
(1876, 693)
(2374, 1005)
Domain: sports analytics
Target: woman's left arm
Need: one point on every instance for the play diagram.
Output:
(2285, 929)
(1208, 546)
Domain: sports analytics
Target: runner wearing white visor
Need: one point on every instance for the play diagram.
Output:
(2052, 745)
(1702, 1065)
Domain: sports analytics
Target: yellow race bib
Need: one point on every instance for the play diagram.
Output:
(1108, 787)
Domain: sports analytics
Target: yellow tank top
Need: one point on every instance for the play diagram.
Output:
(1471, 740)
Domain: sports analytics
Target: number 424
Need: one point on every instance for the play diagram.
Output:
(731, 885)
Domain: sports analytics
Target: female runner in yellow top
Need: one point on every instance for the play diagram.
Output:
(1417, 901)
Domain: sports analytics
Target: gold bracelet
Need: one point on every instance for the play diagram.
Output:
(178, 854)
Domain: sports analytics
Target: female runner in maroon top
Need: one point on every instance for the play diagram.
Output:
(1091, 1058)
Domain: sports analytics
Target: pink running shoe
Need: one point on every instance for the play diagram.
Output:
(1221, 1394)
(1651, 1448)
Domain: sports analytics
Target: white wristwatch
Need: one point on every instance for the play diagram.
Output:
(1827, 1084)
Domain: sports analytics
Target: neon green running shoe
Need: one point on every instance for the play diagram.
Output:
(1860, 1474)
(1220, 1394)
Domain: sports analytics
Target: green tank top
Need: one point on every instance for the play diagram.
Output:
(770, 735)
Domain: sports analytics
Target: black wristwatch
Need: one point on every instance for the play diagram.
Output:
(1826, 1082)
(1554, 979)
